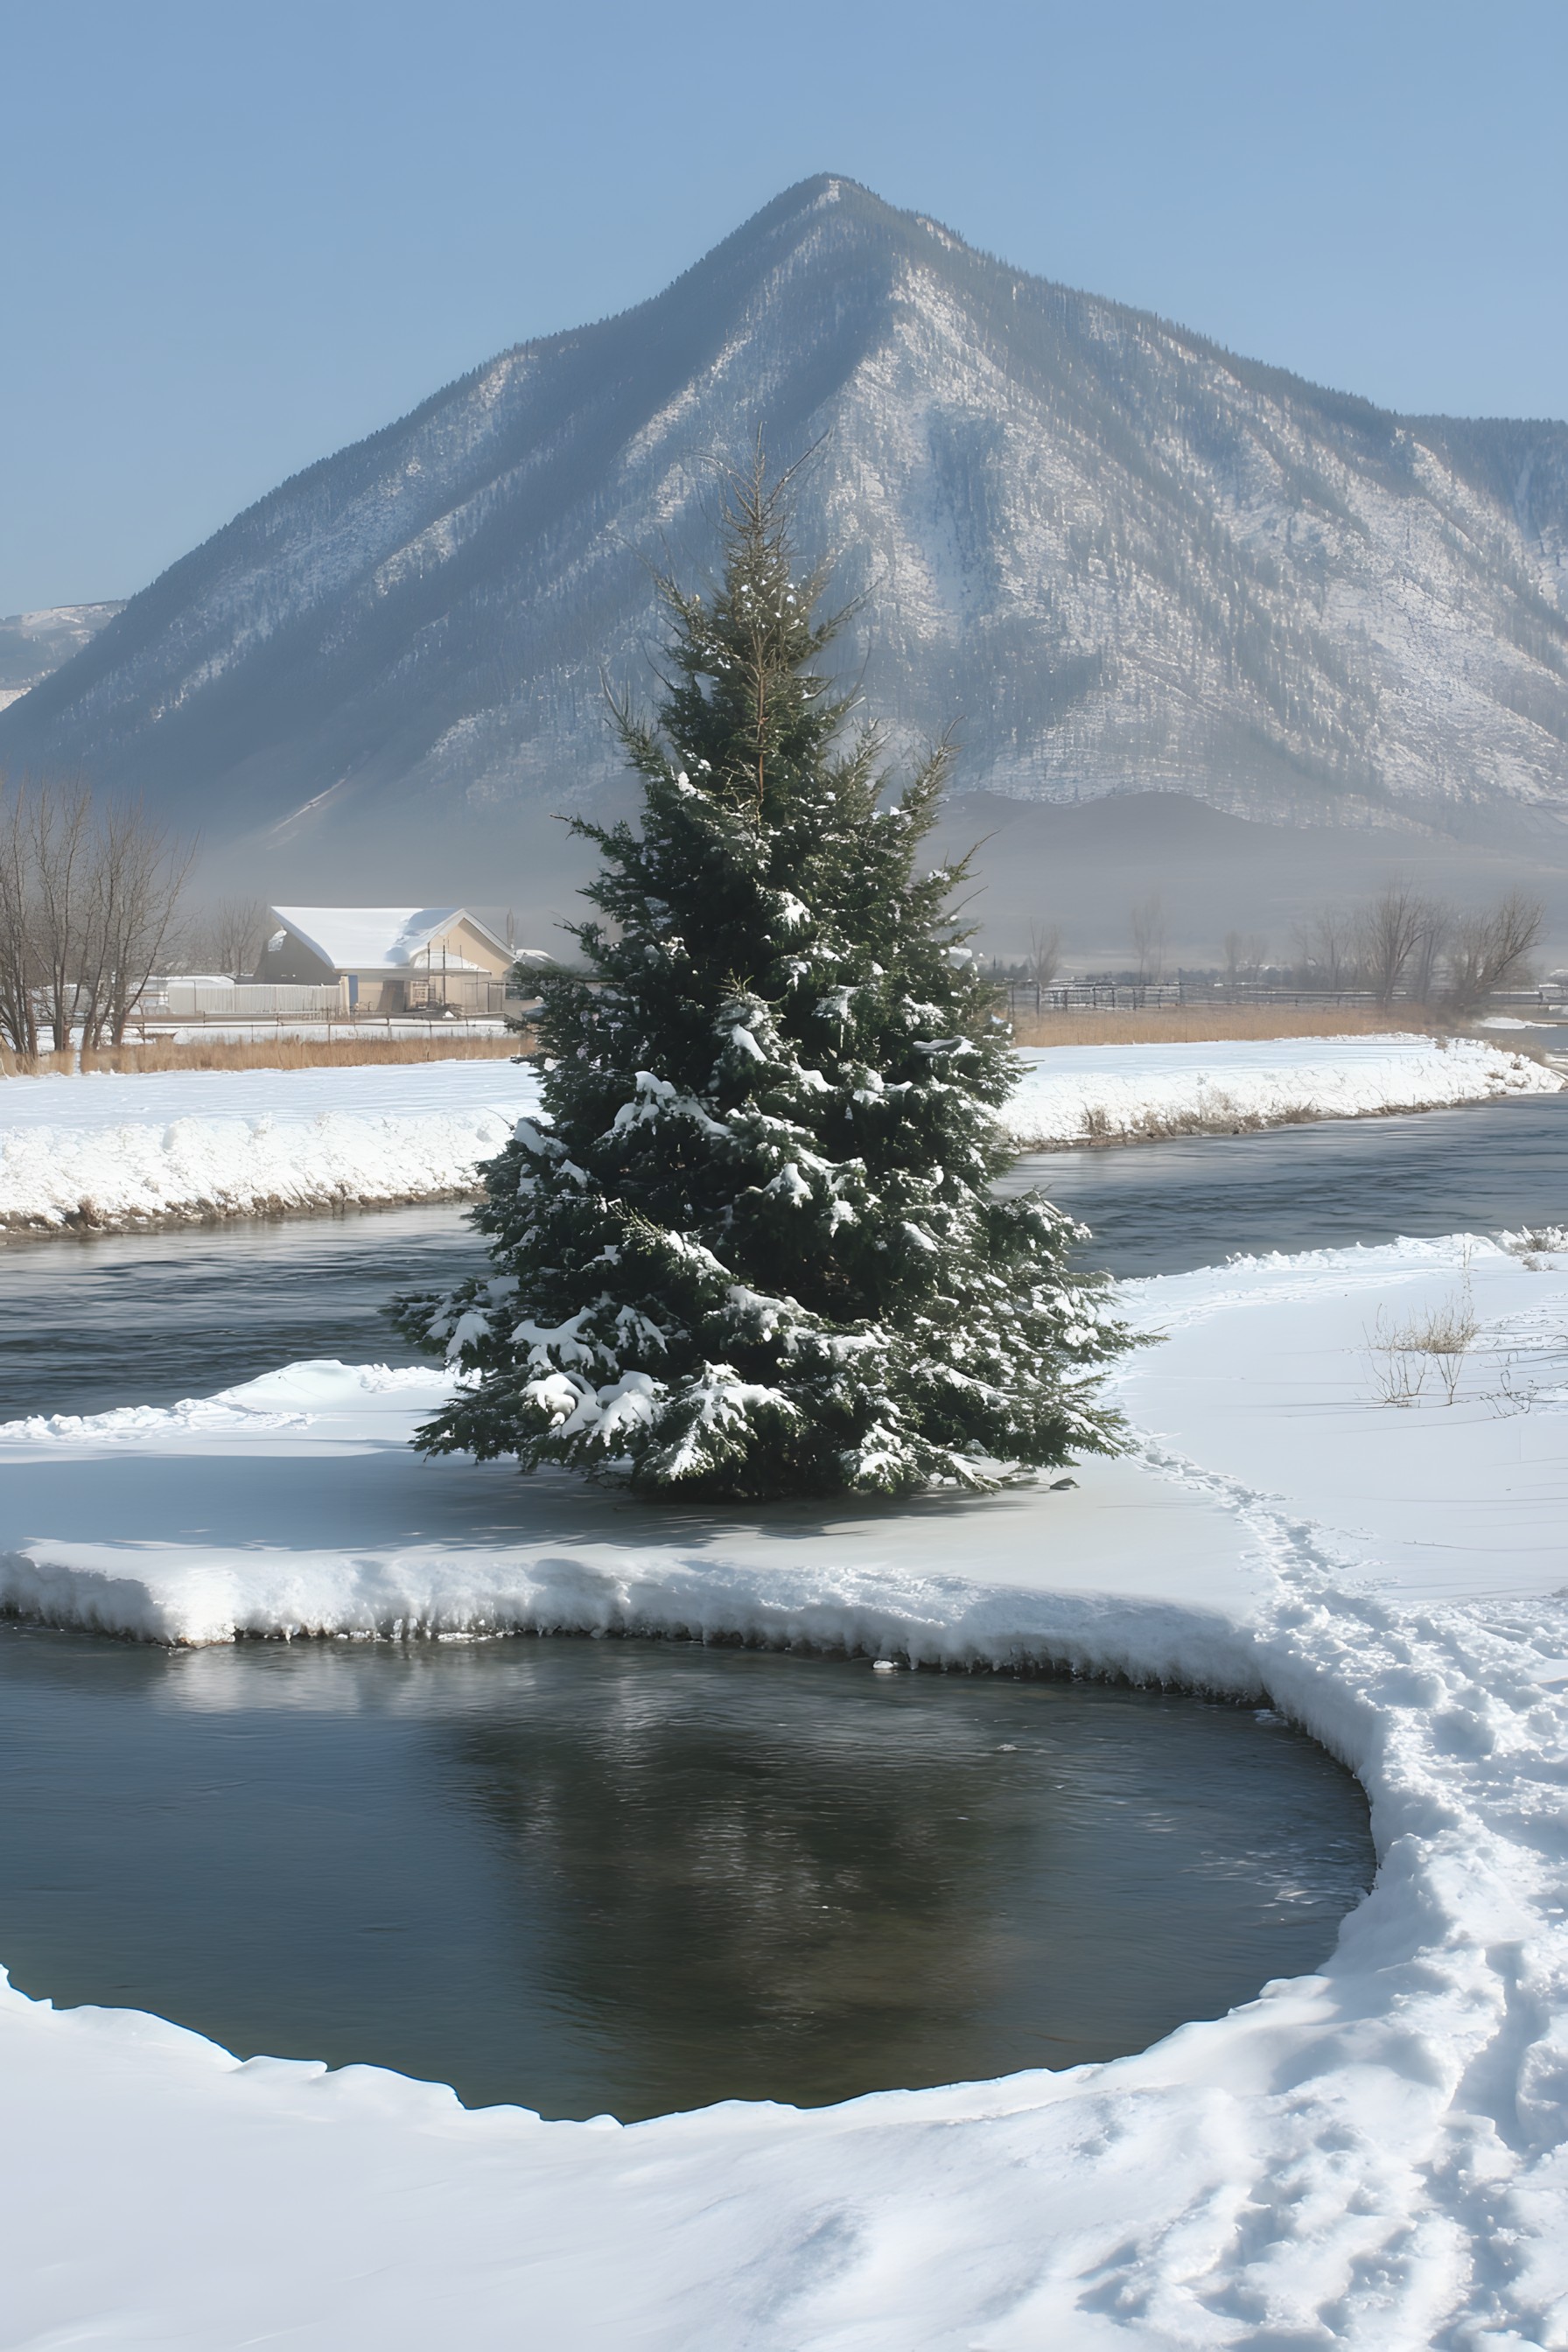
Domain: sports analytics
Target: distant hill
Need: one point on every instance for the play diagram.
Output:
(1124, 561)
(34, 644)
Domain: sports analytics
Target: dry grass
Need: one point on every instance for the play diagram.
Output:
(1180, 1024)
(1202, 1025)
(275, 1054)
(1439, 1340)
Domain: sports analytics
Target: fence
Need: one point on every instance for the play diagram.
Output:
(1218, 991)
(464, 997)
(195, 1000)
(457, 992)
(1244, 991)
(1136, 996)
(1092, 995)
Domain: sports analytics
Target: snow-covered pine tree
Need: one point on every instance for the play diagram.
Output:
(750, 1248)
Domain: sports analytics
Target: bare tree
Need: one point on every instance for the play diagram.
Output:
(1244, 952)
(1045, 953)
(18, 953)
(141, 869)
(229, 937)
(1148, 927)
(1492, 951)
(63, 850)
(1431, 939)
(88, 900)
(1326, 946)
(1388, 931)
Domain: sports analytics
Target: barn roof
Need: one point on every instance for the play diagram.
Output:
(380, 939)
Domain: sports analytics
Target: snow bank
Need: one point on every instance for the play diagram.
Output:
(1374, 2156)
(1124, 1094)
(270, 1470)
(105, 1153)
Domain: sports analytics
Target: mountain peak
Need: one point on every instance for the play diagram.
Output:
(1123, 559)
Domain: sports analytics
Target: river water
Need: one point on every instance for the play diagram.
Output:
(85, 1324)
(625, 1876)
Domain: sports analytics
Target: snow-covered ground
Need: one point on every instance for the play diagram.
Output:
(1376, 2156)
(1124, 1093)
(103, 1153)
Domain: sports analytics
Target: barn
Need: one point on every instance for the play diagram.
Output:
(390, 960)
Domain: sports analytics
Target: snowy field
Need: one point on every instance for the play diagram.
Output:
(109, 1153)
(1376, 2156)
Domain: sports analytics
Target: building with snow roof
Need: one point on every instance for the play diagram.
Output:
(390, 959)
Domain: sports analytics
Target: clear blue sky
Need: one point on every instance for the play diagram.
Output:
(241, 233)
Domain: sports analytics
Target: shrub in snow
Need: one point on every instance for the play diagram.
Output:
(750, 1248)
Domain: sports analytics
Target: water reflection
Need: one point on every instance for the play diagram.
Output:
(632, 1877)
(770, 1902)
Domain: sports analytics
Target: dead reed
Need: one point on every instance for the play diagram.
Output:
(272, 1054)
(1176, 1024)
(1201, 1025)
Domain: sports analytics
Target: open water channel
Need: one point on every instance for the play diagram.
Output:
(146, 1319)
(632, 1876)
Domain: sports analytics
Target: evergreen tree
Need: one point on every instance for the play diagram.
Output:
(751, 1250)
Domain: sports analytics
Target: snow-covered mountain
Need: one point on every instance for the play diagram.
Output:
(1120, 558)
(34, 644)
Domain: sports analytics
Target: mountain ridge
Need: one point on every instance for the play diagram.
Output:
(33, 644)
(1126, 558)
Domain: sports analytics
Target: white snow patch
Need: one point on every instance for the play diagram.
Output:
(108, 1153)
(1121, 1093)
(1375, 2156)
